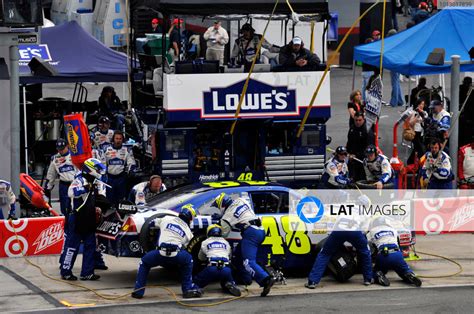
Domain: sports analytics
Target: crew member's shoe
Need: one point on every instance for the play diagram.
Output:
(232, 289)
(267, 285)
(70, 277)
(91, 277)
(381, 279)
(412, 279)
(194, 293)
(311, 285)
(368, 282)
(137, 295)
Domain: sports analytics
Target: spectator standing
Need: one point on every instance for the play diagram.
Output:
(176, 38)
(415, 92)
(296, 56)
(358, 138)
(367, 71)
(355, 105)
(155, 26)
(417, 120)
(396, 98)
(216, 37)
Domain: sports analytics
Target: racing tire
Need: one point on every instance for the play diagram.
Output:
(342, 265)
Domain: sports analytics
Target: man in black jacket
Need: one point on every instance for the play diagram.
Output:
(295, 57)
(358, 138)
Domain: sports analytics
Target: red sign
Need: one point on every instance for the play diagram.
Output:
(444, 215)
(34, 236)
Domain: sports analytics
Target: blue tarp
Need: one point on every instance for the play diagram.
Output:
(406, 52)
(77, 57)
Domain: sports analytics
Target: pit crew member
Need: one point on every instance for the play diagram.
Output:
(84, 190)
(238, 214)
(437, 168)
(389, 257)
(466, 166)
(144, 191)
(175, 235)
(103, 135)
(119, 162)
(7, 201)
(61, 166)
(377, 168)
(216, 251)
(346, 229)
(336, 173)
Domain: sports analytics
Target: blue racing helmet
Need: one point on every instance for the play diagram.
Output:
(214, 231)
(379, 221)
(187, 213)
(222, 201)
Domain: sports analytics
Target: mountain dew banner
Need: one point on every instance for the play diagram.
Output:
(77, 136)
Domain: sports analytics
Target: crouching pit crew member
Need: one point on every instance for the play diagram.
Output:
(239, 215)
(143, 192)
(389, 257)
(83, 191)
(437, 168)
(175, 235)
(336, 172)
(216, 251)
(377, 168)
(346, 229)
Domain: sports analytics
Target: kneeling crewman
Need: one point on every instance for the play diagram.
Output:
(389, 256)
(336, 174)
(217, 252)
(175, 235)
(239, 215)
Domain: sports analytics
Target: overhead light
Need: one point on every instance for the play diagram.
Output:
(436, 57)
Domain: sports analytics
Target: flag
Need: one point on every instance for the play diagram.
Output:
(373, 101)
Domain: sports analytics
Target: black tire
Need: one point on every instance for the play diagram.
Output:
(342, 264)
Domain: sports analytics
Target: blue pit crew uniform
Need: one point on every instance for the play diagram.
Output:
(7, 200)
(389, 256)
(61, 166)
(216, 251)
(336, 174)
(437, 171)
(102, 137)
(240, 215)
(175, 235)
(141, 193)
(379, 170)
(345, 230)
(443, 119)
(120, 161)
(81, 228)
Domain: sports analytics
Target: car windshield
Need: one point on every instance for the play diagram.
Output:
(173, 198)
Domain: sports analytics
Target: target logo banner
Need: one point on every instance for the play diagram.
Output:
(444, 215)
(34, 236)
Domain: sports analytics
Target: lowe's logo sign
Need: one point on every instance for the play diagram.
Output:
(261, 99)
(27, 52)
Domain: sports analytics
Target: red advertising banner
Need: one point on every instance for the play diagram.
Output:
(34, 236)
(444, 215)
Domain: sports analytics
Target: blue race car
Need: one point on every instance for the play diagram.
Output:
(288, 243)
